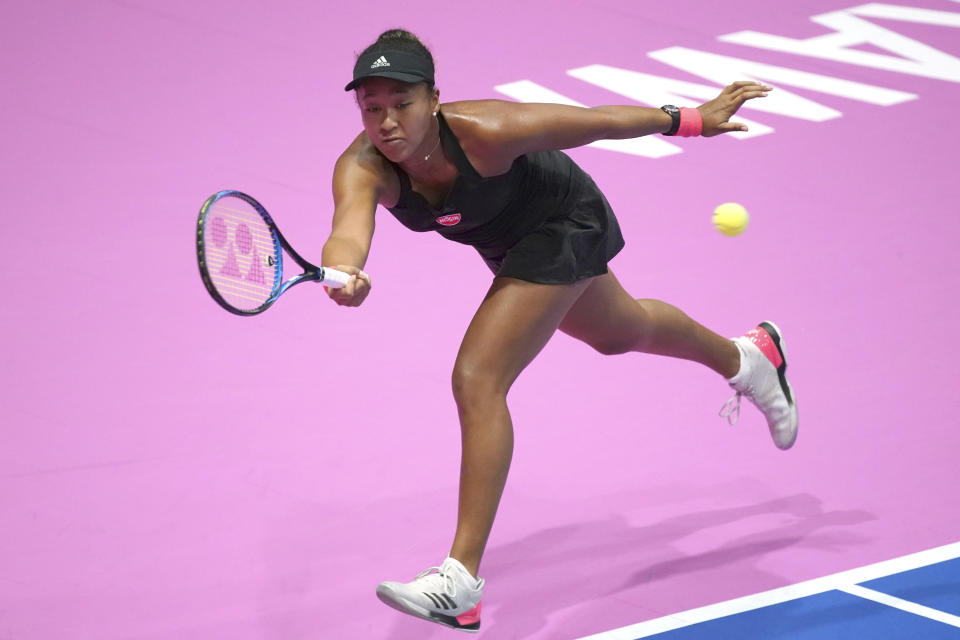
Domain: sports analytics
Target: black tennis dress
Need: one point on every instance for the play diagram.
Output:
(543, 221)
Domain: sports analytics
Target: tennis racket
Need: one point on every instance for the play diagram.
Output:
(240, 253)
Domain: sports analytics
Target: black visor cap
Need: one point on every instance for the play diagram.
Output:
(397, 65)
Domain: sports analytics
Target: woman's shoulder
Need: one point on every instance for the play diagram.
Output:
(362, 166)
(363, 153)
(482, 127)
(481, 118)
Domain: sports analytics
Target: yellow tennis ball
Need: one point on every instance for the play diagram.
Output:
(730, 219)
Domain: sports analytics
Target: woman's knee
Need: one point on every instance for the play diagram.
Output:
(613, 345)
(611, 335)
(475, 385)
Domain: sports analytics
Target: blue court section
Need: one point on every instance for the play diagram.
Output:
(936, 586)
(836, 614)
(829, 615)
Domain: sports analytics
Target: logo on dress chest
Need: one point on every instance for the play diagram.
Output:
(449, 220)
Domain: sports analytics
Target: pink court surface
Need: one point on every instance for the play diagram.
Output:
(169, 471)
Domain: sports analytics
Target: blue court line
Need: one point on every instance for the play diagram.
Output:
(916, 596)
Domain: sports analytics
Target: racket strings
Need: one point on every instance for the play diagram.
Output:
(241, 253)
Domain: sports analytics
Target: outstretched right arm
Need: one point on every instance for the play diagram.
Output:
(357, 184)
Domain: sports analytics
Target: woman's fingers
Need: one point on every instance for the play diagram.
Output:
(717, 112)
(727, 127)
(746, 84)
(743, 95)
(740, 92)
(353, 293)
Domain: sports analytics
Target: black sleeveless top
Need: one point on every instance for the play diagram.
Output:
(544, 220)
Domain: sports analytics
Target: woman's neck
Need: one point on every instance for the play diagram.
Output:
(429, 163)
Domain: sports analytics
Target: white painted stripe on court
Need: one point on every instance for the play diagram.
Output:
(840, 581)
(903, 605)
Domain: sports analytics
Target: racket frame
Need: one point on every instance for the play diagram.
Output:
(310, 273)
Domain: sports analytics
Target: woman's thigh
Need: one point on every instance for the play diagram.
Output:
(605, 316)
(511, 326)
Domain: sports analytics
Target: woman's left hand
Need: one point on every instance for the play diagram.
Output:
(717, 113)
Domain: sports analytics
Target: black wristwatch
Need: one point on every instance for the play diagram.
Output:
(674, 113)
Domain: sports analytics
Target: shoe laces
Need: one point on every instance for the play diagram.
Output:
(435, 573)
(731, 408)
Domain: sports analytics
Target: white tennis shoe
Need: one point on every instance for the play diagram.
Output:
(447, 595)
(762, 379)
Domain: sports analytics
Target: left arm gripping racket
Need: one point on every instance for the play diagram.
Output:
(240, 253)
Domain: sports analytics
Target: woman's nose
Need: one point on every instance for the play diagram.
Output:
(389, 120)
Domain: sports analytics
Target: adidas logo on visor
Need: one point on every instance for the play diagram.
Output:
(380, 62)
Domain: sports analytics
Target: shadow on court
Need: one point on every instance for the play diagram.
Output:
(577, 564)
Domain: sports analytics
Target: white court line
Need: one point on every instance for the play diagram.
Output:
(903, 605)
(842, 580)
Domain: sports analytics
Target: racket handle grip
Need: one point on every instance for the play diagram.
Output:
(333, 278)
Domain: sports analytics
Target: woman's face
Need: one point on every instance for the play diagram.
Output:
(398, 117)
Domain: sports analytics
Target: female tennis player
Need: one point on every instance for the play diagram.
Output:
(491, 174)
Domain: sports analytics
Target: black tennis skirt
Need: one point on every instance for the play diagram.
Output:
(574, 244)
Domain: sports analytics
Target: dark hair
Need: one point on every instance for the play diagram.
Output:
(400, 40)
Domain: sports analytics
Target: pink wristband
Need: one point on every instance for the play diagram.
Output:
(691, 123)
